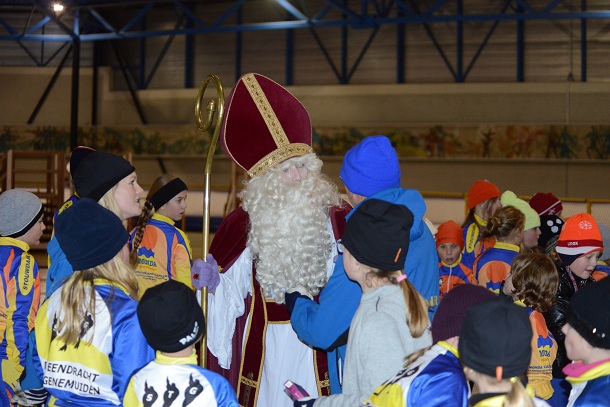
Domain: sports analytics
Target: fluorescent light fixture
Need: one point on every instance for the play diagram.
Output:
(58, 7)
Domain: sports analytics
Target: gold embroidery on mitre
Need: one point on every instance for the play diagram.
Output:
(265, 109)
(285, 149)
(277, 156)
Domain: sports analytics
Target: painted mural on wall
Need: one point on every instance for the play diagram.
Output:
(486, 141)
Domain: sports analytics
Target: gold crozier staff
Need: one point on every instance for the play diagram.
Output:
(213, 106)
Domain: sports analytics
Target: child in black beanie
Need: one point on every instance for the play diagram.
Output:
(111, 181)
(587, 341)
(495, 350)
(391, 321)
(173, 323)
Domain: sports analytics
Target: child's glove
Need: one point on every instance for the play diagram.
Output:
(304, 402)
(205, 273)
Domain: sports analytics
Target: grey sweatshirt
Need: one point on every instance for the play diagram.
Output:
(379, 339)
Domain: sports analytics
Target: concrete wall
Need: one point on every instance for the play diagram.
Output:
(565, 178)
(333, 105)
(356, 105)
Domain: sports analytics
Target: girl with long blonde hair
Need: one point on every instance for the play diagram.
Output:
(108, 179)
(87, 334)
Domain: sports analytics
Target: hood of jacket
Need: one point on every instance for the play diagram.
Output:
(410, 198)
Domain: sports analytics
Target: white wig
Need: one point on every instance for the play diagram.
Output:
(289, 232)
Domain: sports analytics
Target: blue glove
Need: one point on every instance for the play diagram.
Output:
(306, 402)
(205, 273)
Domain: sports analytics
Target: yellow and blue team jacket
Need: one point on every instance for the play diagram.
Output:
(493, 265)
(59, 266)
(164, 253)
(602, 270)
(19, 301)
(96, 370)
(435, 379)
(472, 236)
(544, 352)
(590, 383)
(451, 275)
(178, 382)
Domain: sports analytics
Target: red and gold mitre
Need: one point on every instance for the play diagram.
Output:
(264, 124)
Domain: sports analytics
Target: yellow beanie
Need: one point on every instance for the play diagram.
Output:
(532, 219)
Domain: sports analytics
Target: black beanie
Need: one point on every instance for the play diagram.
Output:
(496, 339)
(77, 156)
(451, 311)
(377, 234)
(550, 228)
(98, 172)
(89, 234)
(170, 316)
(589, 315)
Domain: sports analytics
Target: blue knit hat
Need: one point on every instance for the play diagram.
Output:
(371, 166)
(89, 234)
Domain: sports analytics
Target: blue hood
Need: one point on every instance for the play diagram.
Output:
(410, 198)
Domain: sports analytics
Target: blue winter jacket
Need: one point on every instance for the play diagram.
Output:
(435, 379)
(596, 393)
(325, 324)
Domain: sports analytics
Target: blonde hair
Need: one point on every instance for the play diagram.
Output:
(415, 355)
(77, 296)
(517, 396)
(147, 212)
(506, 220)
(486, 207)
(417, 307)
(109, 202)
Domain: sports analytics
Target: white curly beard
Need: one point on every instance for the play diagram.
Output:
(289, 231)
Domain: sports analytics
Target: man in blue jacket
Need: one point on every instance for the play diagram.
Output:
(370, 170)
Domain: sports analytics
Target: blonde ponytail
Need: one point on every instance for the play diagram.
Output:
(77, 298)
(518, 396)
(417, 309)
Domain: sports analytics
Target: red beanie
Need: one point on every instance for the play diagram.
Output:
(481, 191)
(546, 204)
(450, 232)
(580, 236)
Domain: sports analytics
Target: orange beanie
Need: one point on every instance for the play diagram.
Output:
(579, 236)
(481, 191)
(450, 232)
